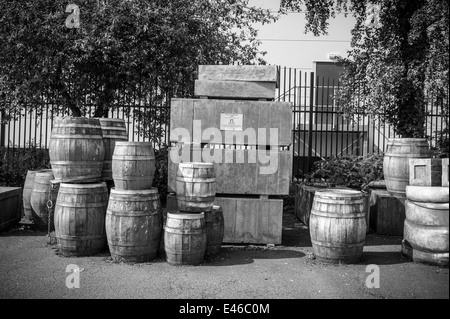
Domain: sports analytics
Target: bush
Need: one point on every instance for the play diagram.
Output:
(161, 171)
(351, 171)
(16, 162)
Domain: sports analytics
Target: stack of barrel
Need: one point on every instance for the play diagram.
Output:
(427, 212)
(79, 148)
(196, 229)
(134, 218)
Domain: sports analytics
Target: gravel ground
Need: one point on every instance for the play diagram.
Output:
(30, 268)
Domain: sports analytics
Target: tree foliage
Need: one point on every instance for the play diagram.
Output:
(152, 47)
(399, 57)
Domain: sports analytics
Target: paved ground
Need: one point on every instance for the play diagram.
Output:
(29, 268)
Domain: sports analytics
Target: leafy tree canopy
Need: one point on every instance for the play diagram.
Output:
(119, 45)
(399, 57)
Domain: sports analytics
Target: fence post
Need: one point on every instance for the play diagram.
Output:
(2, 128)
(310, 126)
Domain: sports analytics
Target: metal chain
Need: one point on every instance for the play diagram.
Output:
(50, 211)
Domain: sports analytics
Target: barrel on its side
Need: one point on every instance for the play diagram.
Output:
(113, 130)
(426, 232)
(80, 214)
(77, 150)
(214, 231)
(396, 162)
(338, 225)
(134, 224)
(43, 199)
(133, 165)
(185, 238)
(195, 187)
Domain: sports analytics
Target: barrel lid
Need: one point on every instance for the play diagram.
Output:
(105, 119)
(83, 186)
(128, 143)
(195, 165)
(407, 140)
(183, 215)
(149, 191)
(337, 192)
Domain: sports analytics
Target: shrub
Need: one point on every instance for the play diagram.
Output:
(351, 171)
(16, 162)
(160, 179)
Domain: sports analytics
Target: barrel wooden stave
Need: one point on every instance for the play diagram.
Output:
(80, 214)
(134, 224)
(195, 187)
(214, 223)
(42, 192)
(26, 195)
(185, 238)
(113, 130)
(396, 162)
(133, 165)
(338, 226)
(77, 150)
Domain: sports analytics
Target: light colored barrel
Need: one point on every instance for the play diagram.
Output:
(427, 194)
(134, 224)
(195, 187)
(185, 238)
(133, 165)
(113, 130)
(43, 192)
(26, 195)
(80, 213)
(214, 231)
(396, 162)
(338, 225)
(427, 231)
(77, 150)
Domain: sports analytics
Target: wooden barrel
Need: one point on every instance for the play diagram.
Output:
(214, 231)
(134, 224)
(113, 130)
(80, 213)
(338, 225)
(77, 150)
(426, 232)
(185, 238)
(133, 165)
(43, 191)
(396, 162)
(195, 187)
(26, 195)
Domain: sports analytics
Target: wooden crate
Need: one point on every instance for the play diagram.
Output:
(445, 175)
(212, 114)
(248, 73)
(387, 215)
(235, 89)
(425, 171)
(247, 220)
(11, 206)
(241, 176)
(251, 220)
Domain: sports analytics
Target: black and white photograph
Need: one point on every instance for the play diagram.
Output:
(224, 158)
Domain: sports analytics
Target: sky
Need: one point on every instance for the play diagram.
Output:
(287, 44)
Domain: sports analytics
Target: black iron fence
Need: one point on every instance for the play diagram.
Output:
(319, 130)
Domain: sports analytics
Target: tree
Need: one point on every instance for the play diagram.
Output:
(399, 57)
(149, 46)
